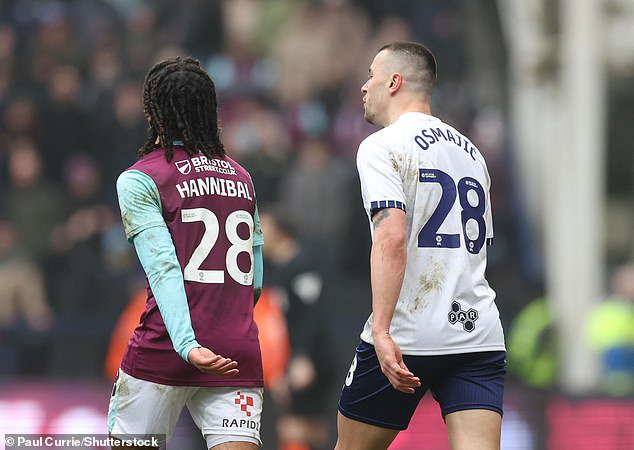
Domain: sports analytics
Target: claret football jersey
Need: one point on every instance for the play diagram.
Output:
(438, 177)
(209, 208)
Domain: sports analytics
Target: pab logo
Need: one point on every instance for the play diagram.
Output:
(184, 166)
(245, 402)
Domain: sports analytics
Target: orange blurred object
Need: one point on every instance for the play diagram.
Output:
(274, 341)
(128, 320)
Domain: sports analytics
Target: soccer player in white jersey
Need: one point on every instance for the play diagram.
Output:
(434, 324)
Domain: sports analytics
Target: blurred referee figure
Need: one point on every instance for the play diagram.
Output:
(434, 323)
(190, 212)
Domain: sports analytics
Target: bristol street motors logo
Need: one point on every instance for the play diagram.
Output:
(245, 402)
(466, 318)
(184, 166)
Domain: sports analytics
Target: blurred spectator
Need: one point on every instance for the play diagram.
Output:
(8, 43)
(79, 278)
(296, 272)
(65, 129)
(256, 134)
(22, 292)
(532, 346)
(87, 215)
(239, 67)
(79, 268)
(141, 43)
(316, 192)
(25, 316)
(309, 52)
(33, 205)
(121, 132)
(610, 330)
(106, 69)
(20, 119)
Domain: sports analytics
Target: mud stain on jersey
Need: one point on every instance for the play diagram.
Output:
(428, 283)
(396, 161)
(123, 390)
(126, 219)
(401, 163)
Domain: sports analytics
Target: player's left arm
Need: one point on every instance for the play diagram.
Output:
(145, 227)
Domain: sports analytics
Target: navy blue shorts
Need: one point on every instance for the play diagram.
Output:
(457, 382)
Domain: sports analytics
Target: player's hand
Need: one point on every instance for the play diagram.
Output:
(208, 362)
(392, 365)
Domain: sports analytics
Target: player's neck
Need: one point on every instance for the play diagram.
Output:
(413, 106)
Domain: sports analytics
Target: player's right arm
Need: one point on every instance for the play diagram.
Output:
(140, 205)
(384, 200)
(387, 269)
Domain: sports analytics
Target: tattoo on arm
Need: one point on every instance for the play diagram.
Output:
(380, 216)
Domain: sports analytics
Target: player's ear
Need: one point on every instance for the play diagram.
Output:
(395, 83)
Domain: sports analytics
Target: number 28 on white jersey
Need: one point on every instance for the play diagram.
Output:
(433, 173)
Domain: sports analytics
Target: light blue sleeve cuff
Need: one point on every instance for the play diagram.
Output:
(258, 237)
(258, 268)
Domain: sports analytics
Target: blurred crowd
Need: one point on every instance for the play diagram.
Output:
(288, 75)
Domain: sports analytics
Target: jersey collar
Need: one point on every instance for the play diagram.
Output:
(416, 114)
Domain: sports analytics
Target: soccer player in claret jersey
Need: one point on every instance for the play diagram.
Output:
(434, 324)
(190, 212)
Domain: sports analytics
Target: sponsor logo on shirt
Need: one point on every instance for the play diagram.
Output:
(203, 164)
(466, 318)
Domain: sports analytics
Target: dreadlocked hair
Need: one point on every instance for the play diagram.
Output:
(179, 98)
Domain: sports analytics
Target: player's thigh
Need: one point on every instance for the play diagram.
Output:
(474, 429)
(228, 415)
(355, 435)
(235, 446)
(471, 381)
(144, 409)
(368, 397)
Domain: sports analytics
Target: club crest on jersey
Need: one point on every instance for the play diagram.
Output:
(184, 166)
(466, 318)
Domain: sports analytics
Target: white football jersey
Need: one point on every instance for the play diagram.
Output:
(431, 171)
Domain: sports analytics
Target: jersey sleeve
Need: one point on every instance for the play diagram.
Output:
(258, 264)
(139, 201)
(258, 236)
(146, 229)
(488, 213)
(381, 184)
